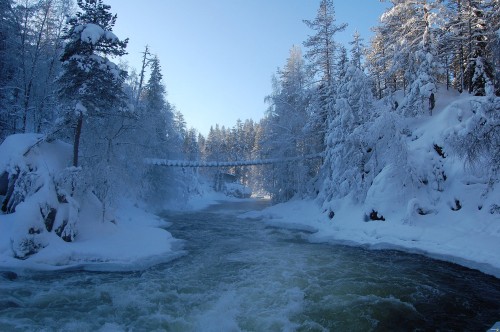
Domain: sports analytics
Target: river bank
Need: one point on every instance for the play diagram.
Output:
(466, 240)
(244, 275)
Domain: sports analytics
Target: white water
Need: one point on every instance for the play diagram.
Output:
(240, 275)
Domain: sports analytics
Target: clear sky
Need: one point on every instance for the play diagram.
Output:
(218, 56)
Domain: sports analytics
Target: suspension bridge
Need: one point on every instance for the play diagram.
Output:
(187, 163)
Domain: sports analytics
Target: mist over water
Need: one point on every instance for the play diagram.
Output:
(241, 275)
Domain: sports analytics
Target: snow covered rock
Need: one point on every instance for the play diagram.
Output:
(33, 191)
(51, 219)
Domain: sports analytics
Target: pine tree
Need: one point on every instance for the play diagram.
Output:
(378, 62)
(157, 115)
(421, 95)
(493, 18)
(402, 30)
(284, 131)
(357, 49)
(341, 63)
(479, 72)
(453, 41)
(321, 46)
(347, 155)
(321, 49)
(180, 125)
(91, 85)
(469, 36)
(191, 148)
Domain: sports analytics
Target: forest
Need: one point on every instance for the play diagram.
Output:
(362, 106)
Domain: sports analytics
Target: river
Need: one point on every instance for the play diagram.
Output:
(238, 274)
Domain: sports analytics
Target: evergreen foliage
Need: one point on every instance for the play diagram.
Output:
(91, 85)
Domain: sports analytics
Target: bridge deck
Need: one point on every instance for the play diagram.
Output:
(186, 163)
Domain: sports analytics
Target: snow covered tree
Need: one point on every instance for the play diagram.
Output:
(493, 18)
(378, 62)
(342, 63)
(284, 133)
(157, 114)
(180, 124)
(36, 21)
(321, 49)
(91, 85)
(421, 95)
(321, 45)
(400, 38)
(144, 65)
(9, 62)
(453, 41)
(477, 139)
(479, 72)
(357, 49)
(468, 37)
(161, 138)
(44, 101)
(345, 167)
(29, 62)
(191, 148)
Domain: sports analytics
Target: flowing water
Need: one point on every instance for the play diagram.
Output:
(238, 274)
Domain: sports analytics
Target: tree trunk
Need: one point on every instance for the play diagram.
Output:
(145, 62)
(78, 132)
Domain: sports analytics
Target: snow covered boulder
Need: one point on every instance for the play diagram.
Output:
(51, 219)
(34, 192)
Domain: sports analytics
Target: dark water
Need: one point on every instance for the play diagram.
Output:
(240, 275)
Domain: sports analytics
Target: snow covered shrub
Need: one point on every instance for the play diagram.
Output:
(495, 209)
(482, 84)
(421, 96)
(21, 183)
(477, 137)
(348, 152)
(41, 192)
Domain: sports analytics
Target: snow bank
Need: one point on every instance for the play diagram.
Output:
(46, 225)
(134, 241)
(450, 212)
(461, 238)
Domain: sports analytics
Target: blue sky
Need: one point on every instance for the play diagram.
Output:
(218, 56)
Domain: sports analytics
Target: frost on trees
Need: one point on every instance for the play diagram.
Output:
(158, 137)
(321, 52)
(348, 147)
(477, 137)
(422, 73)
(91, 84)
(284, 131)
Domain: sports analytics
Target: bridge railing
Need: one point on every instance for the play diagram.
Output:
(186, 163)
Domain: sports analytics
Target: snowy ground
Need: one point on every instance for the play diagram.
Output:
(135, 241)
